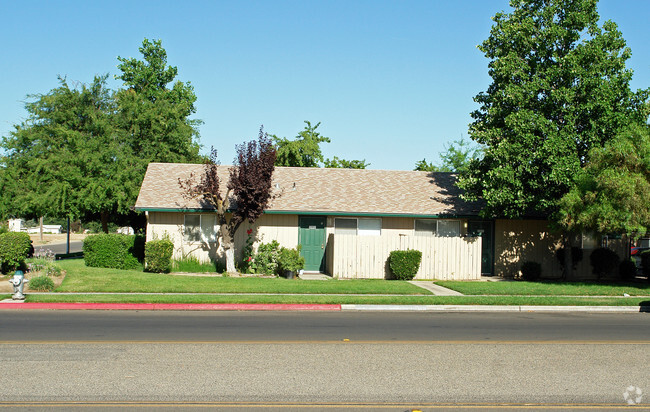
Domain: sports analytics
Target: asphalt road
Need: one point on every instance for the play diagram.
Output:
(321, 361)
(59, 248)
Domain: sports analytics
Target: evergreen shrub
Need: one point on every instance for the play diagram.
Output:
(404, 263)
(604, 262)
(158, 255)
(531, 271)
(111, 251)
(15, 247)
(627, 270)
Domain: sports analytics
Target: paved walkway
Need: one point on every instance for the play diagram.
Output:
(435, 289)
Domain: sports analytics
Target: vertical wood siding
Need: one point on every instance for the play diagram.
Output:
(444, 258)
(283, 228)
(518, 241)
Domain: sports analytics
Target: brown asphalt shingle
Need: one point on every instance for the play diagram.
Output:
(317, 190)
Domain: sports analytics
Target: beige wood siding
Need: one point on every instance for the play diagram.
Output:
(283, 228)
(365, 257)
(518, 241)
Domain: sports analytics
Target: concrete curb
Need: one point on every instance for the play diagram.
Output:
(492, 308)
(170, 306)
(314, 307)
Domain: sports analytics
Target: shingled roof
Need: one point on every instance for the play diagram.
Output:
(305, 190)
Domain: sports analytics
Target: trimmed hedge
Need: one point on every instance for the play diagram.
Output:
(531, 271)
(14, 249)
(158, 256)
(604, 261)
(113, 251)
(404, 263)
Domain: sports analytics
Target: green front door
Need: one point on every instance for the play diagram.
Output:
(312, 239)
(485, 229)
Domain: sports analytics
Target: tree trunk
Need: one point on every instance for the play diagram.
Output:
(567, 273)
(104, 217)
(228, 244)
(40, 224)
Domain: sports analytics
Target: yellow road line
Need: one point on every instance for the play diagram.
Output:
(329, 342)
(416, 406)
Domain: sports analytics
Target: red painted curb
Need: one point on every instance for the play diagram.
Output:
(171, 306)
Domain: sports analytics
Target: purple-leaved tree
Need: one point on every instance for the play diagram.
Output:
(248, 189)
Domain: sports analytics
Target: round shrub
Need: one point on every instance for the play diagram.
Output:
(15, 247)
(604, 261)
(576, 256)
(110, 251)
(41, 283)
(531, 271)
(627, 270)
(404, 263)
(158, 255)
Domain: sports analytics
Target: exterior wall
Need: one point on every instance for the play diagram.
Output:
(517, 241)
(282, 228)
(444, 258)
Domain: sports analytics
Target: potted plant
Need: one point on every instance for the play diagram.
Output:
(291, 262)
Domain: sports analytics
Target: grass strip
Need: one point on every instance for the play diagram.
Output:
(555, 288)
(80, 278)
(384, 300)
(3, 297)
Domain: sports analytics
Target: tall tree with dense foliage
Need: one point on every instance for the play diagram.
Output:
(612, 191)
(559, 89)
(337, 163)
(154, 117)
(456, 157)
(57, 159)
(303, 151)
(248, 189)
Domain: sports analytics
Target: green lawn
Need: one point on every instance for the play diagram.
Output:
(546, 288)
(80, 278)
(385, 300)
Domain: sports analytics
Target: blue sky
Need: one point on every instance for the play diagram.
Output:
(391, 81)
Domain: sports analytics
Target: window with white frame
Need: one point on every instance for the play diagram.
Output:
(200, 228)
(357, 226)
(437, 227)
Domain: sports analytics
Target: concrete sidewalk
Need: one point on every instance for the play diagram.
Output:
(435, 289)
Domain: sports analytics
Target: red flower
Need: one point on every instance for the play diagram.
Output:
(250, 258)
(249, 231)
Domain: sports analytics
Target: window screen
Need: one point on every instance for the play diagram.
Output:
(345, 226)
(369, 227)
(208, 223)
(425, 227)
(192, 232)
(448, 228)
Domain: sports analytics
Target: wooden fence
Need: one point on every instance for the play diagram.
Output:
(366, 257)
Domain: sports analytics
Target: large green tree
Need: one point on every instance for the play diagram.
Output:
(305, 151)
(84, 149)
(154, 118)
(54, 158)
(612, 191)
(456, 157)
(559, 89)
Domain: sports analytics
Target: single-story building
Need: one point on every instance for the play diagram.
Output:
(347, 221)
